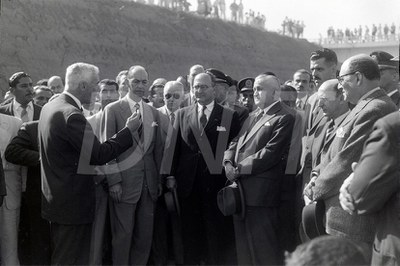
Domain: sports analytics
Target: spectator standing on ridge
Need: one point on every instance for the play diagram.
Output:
(222, 7)
(240, 11)
(234, 11)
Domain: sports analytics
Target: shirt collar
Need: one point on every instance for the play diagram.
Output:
(17, 105)
(77, 101)
(132, 103)
(209, 106)
(266, 109)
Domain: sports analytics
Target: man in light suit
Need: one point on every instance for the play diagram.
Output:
(201, 134)
(373, 187)
(135, 183)
(257, 159)
(69, 150)
(359, 79)
(10, 210)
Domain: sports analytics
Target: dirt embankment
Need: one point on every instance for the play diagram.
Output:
(42, 37)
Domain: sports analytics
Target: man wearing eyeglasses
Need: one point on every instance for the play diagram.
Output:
(389, 75)
(133, 178)
(193, 160)
(359, 78)
(173, 97)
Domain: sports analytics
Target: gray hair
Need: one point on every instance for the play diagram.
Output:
(80, 72)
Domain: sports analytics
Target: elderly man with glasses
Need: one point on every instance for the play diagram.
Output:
(359, 78)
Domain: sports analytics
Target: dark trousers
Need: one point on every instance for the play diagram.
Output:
(256, 237)
(208, 236)
(71, 244)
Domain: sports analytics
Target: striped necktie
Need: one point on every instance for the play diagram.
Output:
(330, 129)
(140, 129)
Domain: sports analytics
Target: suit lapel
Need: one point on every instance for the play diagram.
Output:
(267, 117)
(125, 113)
(214, 117)
(361, 105)
(338, 122)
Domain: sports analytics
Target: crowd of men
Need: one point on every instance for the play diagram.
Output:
(121, 172)
(377, 33)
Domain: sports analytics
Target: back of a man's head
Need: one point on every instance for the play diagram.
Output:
(327, 251)
(79, 72)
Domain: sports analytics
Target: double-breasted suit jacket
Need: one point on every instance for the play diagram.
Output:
(335, 166)
(260, 155)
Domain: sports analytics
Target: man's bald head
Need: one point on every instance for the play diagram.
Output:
(331, 99)
(55, 84)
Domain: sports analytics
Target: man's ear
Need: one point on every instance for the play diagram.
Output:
(12, 90)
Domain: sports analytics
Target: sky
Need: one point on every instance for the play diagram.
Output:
(318, 15)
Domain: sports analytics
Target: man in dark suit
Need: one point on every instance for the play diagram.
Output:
(136, 183)
(21, 106)
(359, 79)
(24, 150)
(389, 75)
(201, 134)
(68, 151)
(373, 187)
(256, 159)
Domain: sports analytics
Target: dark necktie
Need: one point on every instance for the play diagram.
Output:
(172, 118)
(203, 117)
(330, 129)
(140, 129)
(24, 114)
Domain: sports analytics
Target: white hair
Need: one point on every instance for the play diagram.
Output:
(80, 72)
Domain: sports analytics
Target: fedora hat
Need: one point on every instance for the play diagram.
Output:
(231, 200)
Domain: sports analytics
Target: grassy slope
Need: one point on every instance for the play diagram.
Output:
(42, 37)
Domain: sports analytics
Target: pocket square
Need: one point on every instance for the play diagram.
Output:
(154, 124)
(221, 128)
(267, 124)
(340, 132)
